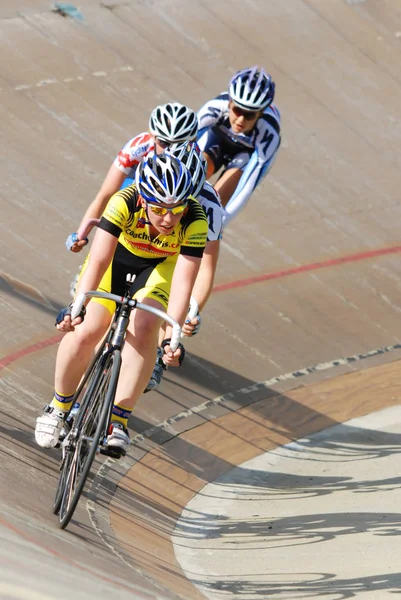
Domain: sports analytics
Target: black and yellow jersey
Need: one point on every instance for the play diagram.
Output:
(126, 218)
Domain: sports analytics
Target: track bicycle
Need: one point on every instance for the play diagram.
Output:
(86, 434)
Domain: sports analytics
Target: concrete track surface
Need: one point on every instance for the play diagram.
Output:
(302, 333)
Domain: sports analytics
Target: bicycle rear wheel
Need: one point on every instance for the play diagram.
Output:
(91, 421)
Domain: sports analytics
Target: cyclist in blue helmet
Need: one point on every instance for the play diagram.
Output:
(239, 133)
(157, 231)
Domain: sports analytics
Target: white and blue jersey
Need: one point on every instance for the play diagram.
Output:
(209, 200)
(252, 152)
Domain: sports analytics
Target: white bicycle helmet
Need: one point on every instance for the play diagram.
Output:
(192, 157)
(163, 178)
(173, 122)
(252, 89)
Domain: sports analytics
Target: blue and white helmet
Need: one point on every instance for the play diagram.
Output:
(252, 89)
(163, 178)
(173, 122)
(192, 157)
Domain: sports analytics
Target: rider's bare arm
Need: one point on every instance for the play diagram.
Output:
(203, 285)
(102, 251)
(185, 273)
(204, 281)
(184, 277)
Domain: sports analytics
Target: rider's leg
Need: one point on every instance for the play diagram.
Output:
(211, 143)
(158, 280)
(152, 287)
(138, 357)
(227, 184)
(159, 367)
(74, 354)
(76, 348)
(210, 165)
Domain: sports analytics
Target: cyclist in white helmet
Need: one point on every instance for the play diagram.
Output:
(156, 230)
(239, 132)
(168, 123)
(191, 156)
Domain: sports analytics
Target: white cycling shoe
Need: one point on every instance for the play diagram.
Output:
(118, 439)
(48, 427)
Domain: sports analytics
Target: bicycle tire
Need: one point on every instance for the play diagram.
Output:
(91, 422)
(64, 468)
(85, 388)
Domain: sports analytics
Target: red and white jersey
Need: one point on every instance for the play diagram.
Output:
(133, 152)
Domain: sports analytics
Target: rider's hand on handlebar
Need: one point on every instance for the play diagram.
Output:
(192, 326)
(74, 244)
(170, 358)
(63, 319)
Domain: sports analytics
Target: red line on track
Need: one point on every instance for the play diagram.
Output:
(7, 360)
(332, 262)
(305, 268)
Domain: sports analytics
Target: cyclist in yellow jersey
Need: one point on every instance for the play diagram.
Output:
(153, 229)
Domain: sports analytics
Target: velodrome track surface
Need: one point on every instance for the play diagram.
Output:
(309, 338)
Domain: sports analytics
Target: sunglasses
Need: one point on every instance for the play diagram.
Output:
(160, 211)
(249, 115)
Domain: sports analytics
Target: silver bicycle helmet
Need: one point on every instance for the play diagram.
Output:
(191, 155)
(173, 122)
(252, 89)
(163, 178)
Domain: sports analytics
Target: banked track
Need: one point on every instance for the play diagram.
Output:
(317, 252)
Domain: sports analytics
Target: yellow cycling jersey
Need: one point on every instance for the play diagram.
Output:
(126, 218)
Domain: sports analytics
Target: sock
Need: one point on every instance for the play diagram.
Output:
(120, 415)
(61, 402)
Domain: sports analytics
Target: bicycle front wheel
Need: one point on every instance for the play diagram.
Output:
(85, 390)
(91, 421)
(64, 469)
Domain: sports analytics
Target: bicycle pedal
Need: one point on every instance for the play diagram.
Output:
(112, 452)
